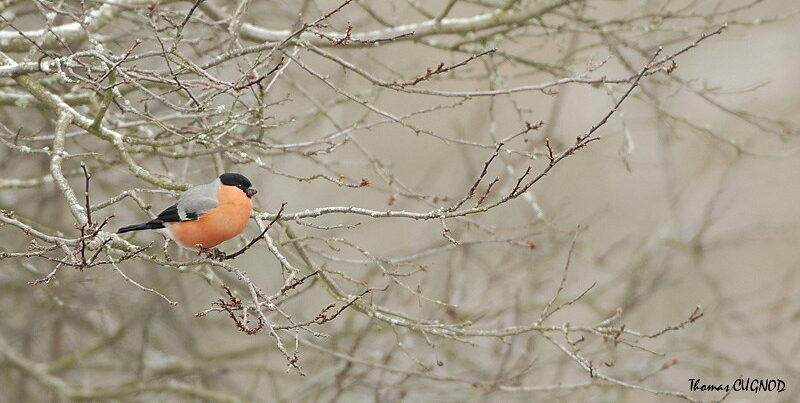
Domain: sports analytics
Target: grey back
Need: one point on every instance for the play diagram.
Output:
(197, 200)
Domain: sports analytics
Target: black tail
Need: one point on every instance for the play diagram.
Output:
(138, 227)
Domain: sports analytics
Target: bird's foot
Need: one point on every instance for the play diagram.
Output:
(212, 253)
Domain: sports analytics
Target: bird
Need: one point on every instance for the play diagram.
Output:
(205, 215)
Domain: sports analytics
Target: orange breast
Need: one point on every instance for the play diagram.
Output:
(222, 223)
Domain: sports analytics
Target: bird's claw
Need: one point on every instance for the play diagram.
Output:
(212, 253)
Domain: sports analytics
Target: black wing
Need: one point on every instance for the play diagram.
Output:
(168, 215)
(171, 215)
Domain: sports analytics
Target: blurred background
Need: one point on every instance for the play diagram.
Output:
(660, 248)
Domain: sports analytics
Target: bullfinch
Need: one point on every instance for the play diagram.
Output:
(206, 215)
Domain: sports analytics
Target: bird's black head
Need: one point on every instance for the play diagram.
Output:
(239, 181)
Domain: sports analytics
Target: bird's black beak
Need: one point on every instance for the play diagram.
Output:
(250, 192)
